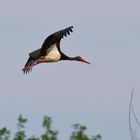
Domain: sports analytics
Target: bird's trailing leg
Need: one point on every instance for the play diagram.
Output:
(27, 69)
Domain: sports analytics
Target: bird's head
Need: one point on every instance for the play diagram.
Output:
(79, 58)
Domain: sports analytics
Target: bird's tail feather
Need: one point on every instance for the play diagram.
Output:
(28, 66)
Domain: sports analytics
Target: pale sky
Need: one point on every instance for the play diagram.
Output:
(106, 33)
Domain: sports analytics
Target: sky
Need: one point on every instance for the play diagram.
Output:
(106, 33)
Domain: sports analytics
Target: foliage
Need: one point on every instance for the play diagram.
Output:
(49, 134)
(20, 135)
(79, 133)
(4, 134)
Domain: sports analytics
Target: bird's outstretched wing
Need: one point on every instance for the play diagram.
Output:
(54, 38)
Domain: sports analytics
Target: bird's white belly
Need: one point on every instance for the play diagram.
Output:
(53, 55)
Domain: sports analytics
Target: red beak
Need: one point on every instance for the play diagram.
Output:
(82, 60)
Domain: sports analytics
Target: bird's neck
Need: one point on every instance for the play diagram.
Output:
(65, 57)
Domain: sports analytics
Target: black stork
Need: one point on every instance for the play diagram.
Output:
(50, 51)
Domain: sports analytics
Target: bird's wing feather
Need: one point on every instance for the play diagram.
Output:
(35, 54)
(54, 38)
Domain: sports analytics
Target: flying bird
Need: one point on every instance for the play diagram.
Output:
(50, 51)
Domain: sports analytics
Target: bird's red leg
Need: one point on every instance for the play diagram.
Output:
(29, 68)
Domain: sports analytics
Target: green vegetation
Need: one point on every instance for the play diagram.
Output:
(79, 133)
(49, 134)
